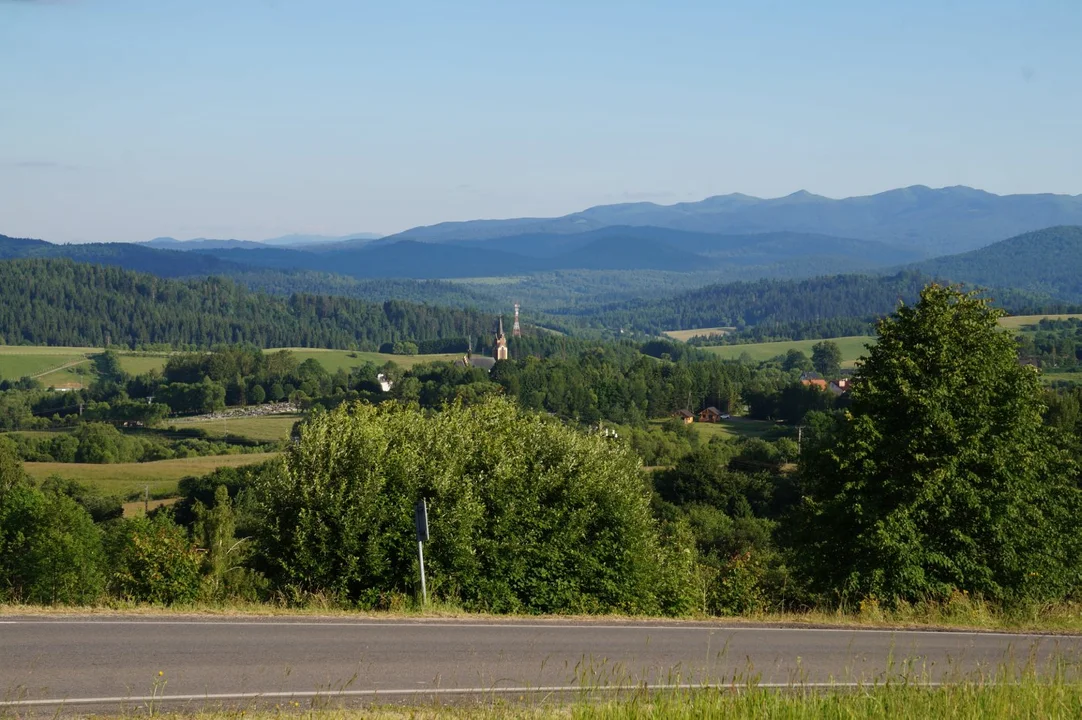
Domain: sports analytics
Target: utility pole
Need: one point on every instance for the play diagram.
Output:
(146, 500)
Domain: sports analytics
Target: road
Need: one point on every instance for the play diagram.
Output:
(95, 662)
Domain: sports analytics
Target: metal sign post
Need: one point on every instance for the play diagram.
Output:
(420, 521)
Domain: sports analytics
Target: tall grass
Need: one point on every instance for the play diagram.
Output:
(962, 701)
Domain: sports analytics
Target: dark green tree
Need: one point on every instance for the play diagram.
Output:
(797, 360)
(942, 476)
(827, 358)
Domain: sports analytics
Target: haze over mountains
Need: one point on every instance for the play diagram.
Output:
(644, 253)
(931, 221)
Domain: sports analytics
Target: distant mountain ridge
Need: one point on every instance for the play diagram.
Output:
(1047, 261)
(293, 241)
(932, 221)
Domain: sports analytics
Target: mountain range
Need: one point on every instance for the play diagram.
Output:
(289, 241)
(929, 221)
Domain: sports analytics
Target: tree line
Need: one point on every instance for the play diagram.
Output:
(60, 302)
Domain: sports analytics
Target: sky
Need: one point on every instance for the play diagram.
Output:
(124, 120)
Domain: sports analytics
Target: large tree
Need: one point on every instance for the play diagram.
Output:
(827, 358)
(942, 475)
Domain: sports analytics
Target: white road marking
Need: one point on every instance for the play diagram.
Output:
(406, 692)
(429, 625)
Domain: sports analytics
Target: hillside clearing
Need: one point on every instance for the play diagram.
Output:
(1019, 322)
(266, 428)
(685, 335)
(72, 367)
(852, 348)
(129, 479)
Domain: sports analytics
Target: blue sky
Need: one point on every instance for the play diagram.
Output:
(128, 119)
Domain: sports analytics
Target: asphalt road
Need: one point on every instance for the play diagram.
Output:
(91, 663)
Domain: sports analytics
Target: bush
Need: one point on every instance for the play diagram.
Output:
(153, 561)
(526, 514)
(50, 549)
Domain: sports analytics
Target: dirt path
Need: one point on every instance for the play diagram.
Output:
(62, 367)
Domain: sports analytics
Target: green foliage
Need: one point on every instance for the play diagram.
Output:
(153, 561)
(526, 514)
(101, 508)
(50, 549)
(256, 395)
(827, 359)
(942, 476)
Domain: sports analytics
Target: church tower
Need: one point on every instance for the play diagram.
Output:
(501, 342)
(516, 329)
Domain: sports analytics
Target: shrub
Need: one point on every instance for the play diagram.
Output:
(50, 549)
(153, 561)
(526, 514)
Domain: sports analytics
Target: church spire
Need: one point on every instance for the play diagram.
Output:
(500, 346)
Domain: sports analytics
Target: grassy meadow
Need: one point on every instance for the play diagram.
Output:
(73, 367)
(1019, 322)
(685, 335)
(127, 479)
(852, 348)
(265, 428)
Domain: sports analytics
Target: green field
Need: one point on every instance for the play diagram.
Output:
(129, 479)
(735, 428)
(72, 366)
(685, 335)
(851, 347)
(1017, 322)
(738, 428)
(265, 428)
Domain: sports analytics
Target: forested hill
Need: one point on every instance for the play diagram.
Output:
(1047, 261)
(163, 263)
(60, 302)
(847, 302)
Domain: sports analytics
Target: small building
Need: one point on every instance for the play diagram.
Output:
(685, 416)
(710, 415)
(810, 379)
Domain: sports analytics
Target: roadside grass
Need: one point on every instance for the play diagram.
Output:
(1004, 694)
(961, 612)
(129, 479)
(265, 428)
(852, 348)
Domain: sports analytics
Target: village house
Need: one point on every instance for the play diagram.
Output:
(685, 416)
(710, 415)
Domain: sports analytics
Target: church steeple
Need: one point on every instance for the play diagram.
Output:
(501, 342)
